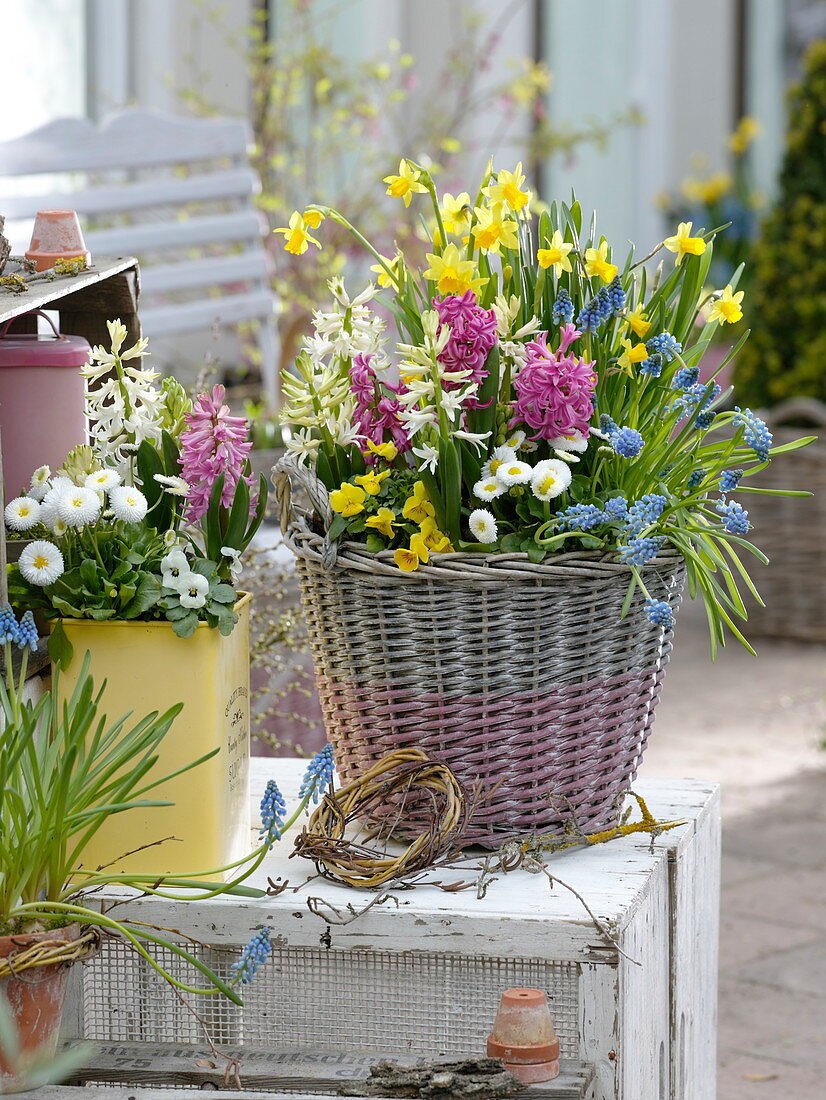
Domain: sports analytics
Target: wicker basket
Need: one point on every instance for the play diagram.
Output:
(523, 677)
(791, 531)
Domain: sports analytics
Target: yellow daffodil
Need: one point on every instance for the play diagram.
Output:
(684, 244)
(384, 280)
(313, 218)
(727, 307)
(409, 559)
(455, 212)
(406, 184)
(555, 255)
(596, 263)
(508, 189)
(348, 500)
(748, 129)
(382, 521)
(631, 355)
(297, 237)
(371, 481)
(492, 231)
(387, 451)
(638, 320)
(451, 273)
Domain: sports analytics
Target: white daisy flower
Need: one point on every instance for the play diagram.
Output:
(174, 566)
(500, 455)
(175, 486)
(515, 440)
(127, 503)
(488, 489)
(193, 590)
(22, 513)
(58, 527)
(483, 526)
(550, 478)
(40, 482)
(576, 441)
(77, 506)
(514, 473)
(170, 538)
(41, 563)
(103, 480)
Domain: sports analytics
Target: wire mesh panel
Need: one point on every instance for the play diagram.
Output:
(310, 998)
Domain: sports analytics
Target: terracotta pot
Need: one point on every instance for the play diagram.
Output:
(56, 236)
(36, 999)
(523, 1036)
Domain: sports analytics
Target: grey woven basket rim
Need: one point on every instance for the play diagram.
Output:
(457, 567)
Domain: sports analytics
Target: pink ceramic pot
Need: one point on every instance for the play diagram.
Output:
(41, 402)
(56, 236)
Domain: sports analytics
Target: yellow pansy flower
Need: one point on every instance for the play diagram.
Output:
(297, 237)
(451, 273)
(455, 212)
(508, 189)
(417, 507)
(596, 263)
(382, 521)
(638, 320)
(727, 307)
(387, 451)
(684, 244)
(371, 481)
(406, 183)
(631, 355)
(555, 255)
(348, 500)
(384, 279)
(409, 559)
(435, 540)
(491, 230)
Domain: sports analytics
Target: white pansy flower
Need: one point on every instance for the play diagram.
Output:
(488, 489)
(103, 480)
(193, 589)
(22, 513)
(127, 503)
(428, 457)
(40, 482)
(483, 526)
(576, 441)
(41, 563)
(175, 486)
(550, 478)
(77, 506)
(514, 473)
(174, 566)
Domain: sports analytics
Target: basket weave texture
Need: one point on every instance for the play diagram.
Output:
(524, 678)
(792, 530)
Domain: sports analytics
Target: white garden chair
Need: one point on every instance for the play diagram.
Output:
(179, 194)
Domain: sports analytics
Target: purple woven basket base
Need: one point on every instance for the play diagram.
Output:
(540, 759)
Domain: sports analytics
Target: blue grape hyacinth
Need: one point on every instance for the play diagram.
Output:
(659, 613)
(256, 952)
(735, 517)
(273, 812)
(562, 311)
(756, 433)
(319, 774)
(627, 442)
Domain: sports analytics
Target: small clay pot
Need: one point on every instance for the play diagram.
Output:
(523, 1036)
(56, 236)
(36, 1000)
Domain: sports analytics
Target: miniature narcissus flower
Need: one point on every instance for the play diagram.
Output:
(507, 189)
(492, 231)
(451, 273)
(597, 263)
(630, 355)
(726, 308)
(406, 184)
(555, 255)
(684, 244)
(296, 233)
(638, 320)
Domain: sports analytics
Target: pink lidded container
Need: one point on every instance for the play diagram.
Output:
(41, 402)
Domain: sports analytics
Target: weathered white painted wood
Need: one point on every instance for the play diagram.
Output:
(215, 154)
(42, 295)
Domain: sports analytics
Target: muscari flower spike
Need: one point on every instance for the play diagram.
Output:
(616, 508)
(319, 774)
(729, 480)
(735, 517)
(562, 311)
(582, 517)
(665, 345)
(653, 365)
(659, 613)
(644, 512)
(684, 378)
(756, 433)
(627, 442)
(616, 294)
(273, 812)
(256, 952)
(637, 551)
(697, 477)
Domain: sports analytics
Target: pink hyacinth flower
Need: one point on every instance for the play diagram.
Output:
(213, 443)
(554, 388)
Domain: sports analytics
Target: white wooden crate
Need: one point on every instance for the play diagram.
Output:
(422, 974)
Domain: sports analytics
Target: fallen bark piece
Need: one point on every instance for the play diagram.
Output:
(473, 1077)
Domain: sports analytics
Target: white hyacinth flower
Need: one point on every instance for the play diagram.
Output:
(22, 513)
(41, 563)
(514, 473)
(40, 482)
(576, 441)
(175, 486)
(127, 503)
(428, 457)
(235, 566)
(102, 480)
(78, 506)
(174, 566)
(193, 589)
(488, 489)
(550, 478)
(483, 525)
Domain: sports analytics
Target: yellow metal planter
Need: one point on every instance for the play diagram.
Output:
(148, 667)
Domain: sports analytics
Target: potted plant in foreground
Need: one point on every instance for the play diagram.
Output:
(135, 559)
(503, 518)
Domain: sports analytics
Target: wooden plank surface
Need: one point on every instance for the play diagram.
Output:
(320, 1070)
(41, 294)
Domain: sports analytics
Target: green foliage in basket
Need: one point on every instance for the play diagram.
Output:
(545, 395)
(786, 355)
